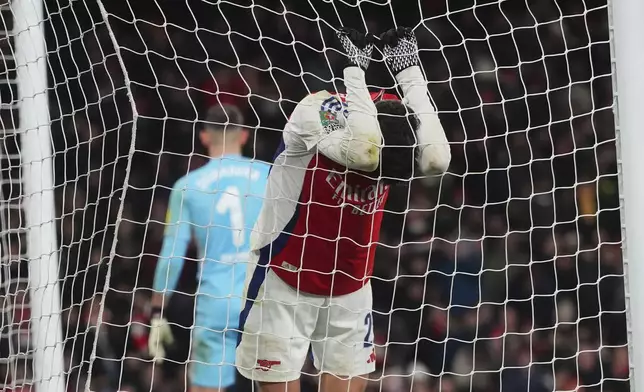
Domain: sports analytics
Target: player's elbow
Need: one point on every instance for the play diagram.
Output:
(435, 159)
(364, 153)
(367, 165)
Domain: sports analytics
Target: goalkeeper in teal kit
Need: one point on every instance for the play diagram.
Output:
(217, 206)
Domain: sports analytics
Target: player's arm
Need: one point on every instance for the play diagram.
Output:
(401, 56)
(356, 145)
(168, 270)
(356, 139)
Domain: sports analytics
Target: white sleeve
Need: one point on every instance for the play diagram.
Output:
(353, 140)
(435, 153)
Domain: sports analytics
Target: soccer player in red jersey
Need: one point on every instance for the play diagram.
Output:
(314, 244)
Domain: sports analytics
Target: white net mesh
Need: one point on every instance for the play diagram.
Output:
(503, 275)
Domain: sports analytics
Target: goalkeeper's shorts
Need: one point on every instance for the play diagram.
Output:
(281, 324)
(212, 355)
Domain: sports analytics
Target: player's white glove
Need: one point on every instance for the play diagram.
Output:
(356, 46)
(400, 49)
(160, 336)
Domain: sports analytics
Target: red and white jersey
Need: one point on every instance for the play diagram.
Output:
(320, 223)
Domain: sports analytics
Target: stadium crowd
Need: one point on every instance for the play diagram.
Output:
(504, 275)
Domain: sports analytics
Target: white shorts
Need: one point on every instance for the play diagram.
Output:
(281, 324)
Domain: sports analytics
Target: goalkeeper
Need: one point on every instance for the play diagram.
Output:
(217, 205)
(316, 236)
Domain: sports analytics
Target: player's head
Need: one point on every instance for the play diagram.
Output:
(398, 125)
(223, 128)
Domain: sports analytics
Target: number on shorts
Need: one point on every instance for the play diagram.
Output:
(368, 321)
(230, 202)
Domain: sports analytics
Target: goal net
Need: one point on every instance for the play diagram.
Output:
(504, 274)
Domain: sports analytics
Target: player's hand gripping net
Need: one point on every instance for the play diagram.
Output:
(400, 49)
(356, 46)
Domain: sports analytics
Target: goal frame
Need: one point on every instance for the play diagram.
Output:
(626, 32)
(38, 197)
(627, 60)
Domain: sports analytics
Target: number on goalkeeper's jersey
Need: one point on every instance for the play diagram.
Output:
(230, 203)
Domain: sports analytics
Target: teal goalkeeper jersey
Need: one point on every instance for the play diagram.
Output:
(217, 205)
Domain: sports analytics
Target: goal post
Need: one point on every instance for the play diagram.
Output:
(628, 62)
(38, 195)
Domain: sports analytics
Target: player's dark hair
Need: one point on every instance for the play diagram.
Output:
(398, 124)
(223, 117)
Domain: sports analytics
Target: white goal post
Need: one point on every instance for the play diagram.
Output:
(629, 95)
(36, 156)
(103, 113)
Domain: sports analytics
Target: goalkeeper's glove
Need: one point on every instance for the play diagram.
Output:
(400, 49)
(356, 46)
(160, 335)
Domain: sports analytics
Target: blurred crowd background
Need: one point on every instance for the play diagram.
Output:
(504, 275)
